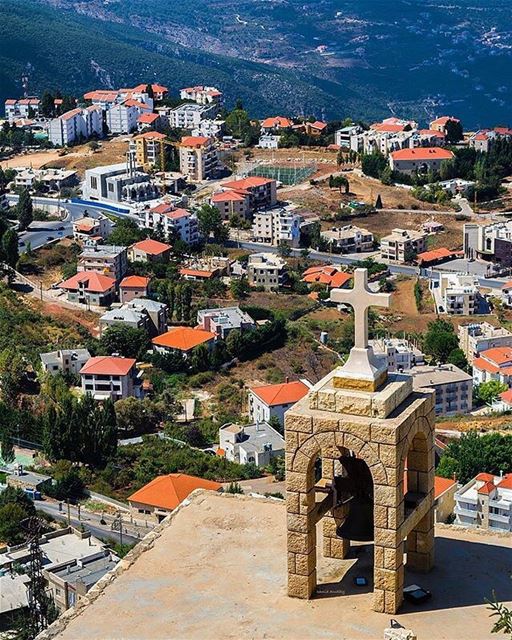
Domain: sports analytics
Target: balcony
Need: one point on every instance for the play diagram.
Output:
(468, 513)
(498, 517)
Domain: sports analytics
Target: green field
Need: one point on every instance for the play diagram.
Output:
(285, 175)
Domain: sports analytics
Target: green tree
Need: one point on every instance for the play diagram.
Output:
(209, 221)
(239, 288)
(125, 233)
(440, 340)
(137, 416)
(25, 210)
(454, 131)
(10, 251)
(15, 506)
(127, 341)
(487, 392)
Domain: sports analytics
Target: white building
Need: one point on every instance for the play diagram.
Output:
(202, 95)
(402, 355)
(278, 226)
(106, 259)
(64, 361)
(209, 129)
(181, 222)
(76, 125)
(252, 443)
(269, 141)
(198, 158)
(493, 364)
(349, 239)
(481, 336)
(122, 118)
(419, 160)
(190, 116)
(343, 137)
(457, 294)
(224, 320)
(92, 227)
(52, 179)
(122, 182)
(24, 108)
(274, 400)
(453, 387)
(111, 377)
(266, 270)
(402, 245)
(485, 501)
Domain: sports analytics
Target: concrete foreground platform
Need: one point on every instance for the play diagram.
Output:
(216, 569)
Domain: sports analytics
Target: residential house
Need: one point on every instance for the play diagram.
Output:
(91, 288)
(419, 160)
(53, 180)
(402, 245)
(269, 141)
(436, 256)
(270, 125)
(75, 126)
(132, 287)
(107, 259)
(349, 239)
(156, 312)
(493, 364)
(484, 139)
(147, 120)
(125, 316)
(22, 108)
(149, 149)
(209, 128)
(453, 387)
(486, 502)
(261, 193)
(266, 270)
(458, 294)
(274, 400)
(179, 222)
(343, 137)
(444, 498)
(482, 336)
(65, 361)
(164, 494)
(278, 226)
(183, 340)
(254, 443)
(440, 124)
(401, 354)
(231, 203)
(149, 251)
(111, 377)
(492, 242)
(224, 320)
(329, 275)
(198, 158)
(202, 95)
(159, 91)
(87, 228)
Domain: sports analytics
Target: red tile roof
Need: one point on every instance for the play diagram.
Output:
(487, 488)
(329, 275)
(194, 141)
(168, 492)
(134, 282)
(285, 393)
(247, 183)
(151, 135)
(318, 124)
(506, 483)
(225, 196)
(93, 282)
(485, 477)
(506, 396)
(148, 118)
(436, 254)
(507, 285)
(498, 355)
(442, 484)
(432, 132)
(108, 365)
(157, 88)
(183, 338)
(277, 122)
(130, 102)
(444, 120)
(152, 247)
(101, 95)
(422, 154)
(197, 273)
(388, 127)
(11, 101)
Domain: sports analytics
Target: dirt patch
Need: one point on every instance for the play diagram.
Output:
(34, 160)
(110, 152)
(71, 316)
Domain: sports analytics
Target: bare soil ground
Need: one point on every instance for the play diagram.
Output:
(35, 160)
(82, 158)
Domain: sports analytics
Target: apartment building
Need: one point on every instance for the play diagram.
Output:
(493, 364)
(343, 137)
(453, 387)
(156, 312)
(90, 288)
(440, 124)
(190, 116)
(202, 95)
(224, 320)
(149, 121)
(484, 139)
(349, 239)
(456, 294)
(149, 251)
(52, 179)
(482, 336)
(492, 242)
(122, 118)
(486, 502)
(231, 203)
(198, 158)
(107, 259)
(254, 443)
(419, 160)
(209, 128)
(65, 361)
(401, 354)
(245, 196)
(266, 270)
(402, 245)
(24, 108)
(125, 316)
(76, 125)
(87, 229)
(111, 377)
(278, 226)
(273, 400)
(122, 182)
(179, 222)
(149, 149)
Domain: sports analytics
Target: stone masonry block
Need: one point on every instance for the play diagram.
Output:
(300, 463)
(291, 562)
(378, 557)
(383, 434)
(418, 460)
(360, 428)
(380, 516)
(297, 523)
(395, 516)
(393, 558)
(378, 600)
(305, 563)
(326, 547)
(389, 455)
(387, 496)
(299, 422)
(392, 601)
(329, 527)
(326, 400)
(301, 586)
(296, 481)
(339, 548)
(301, 542)
(386, 538)
(309, 447)
(291, 441)
(388, 580)
(379, 474)
(292, 502)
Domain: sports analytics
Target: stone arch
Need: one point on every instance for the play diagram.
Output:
(416, 455)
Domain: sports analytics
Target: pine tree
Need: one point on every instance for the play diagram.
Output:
(10, 251)
(25, 210)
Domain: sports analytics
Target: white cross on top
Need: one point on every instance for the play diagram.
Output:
(360, 298)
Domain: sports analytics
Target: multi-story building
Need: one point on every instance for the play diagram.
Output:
(209, 128)
(149, 251)
(126, 317)
(190, 116)
(278, 226)
(493, 364)
(254, 443)
(149, 121)
(453, 387)
(202, 95)
(22, 108)
(88, 228)
(122, 118)
(90, 288)
(484, 139)
(149, 149)
(198, 158)
(64, 361)
(111, 377)
(349, 239)
(458, 294)
(224, 320)
(156, 311)
(506, 294)
(274, 400)
(231, 203)
(419, 160)
(342, 137)
(52, 179)
(107, 259)
(260, 192)
(132, 287)
(401, 354)
(273, 124)
(492, 242)
(402, 245)
(76, 125)
(179, 222)
(481, 336)
(440, 124)
(266, 270)
(121, 182)
(486, 502)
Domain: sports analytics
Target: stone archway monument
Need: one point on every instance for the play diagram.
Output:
(361, 412)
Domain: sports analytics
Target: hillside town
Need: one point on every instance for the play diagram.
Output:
(196, 305)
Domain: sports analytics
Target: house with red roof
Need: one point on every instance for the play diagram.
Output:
(273, 400)
(133, 287)
(329, 275)
(444, 498)
(148, 120)
(174, 221)
(149, 251)
(21, 109)
(161, 496)
(111, 377)
(159, 91)
(183, 340)
(258, 192)
(198, 158)
(484, 139)
(419, 160)
(493, 364)
(486, 502)
(435, 256)
(440, 124)
(276, 123)
(90, 288)
(202, 95)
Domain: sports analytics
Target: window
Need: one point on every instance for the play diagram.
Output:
(94, 183)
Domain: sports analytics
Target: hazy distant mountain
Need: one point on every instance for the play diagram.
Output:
(365, 58)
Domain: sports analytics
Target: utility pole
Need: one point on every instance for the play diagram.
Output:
(69, 512)
(38, 601)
